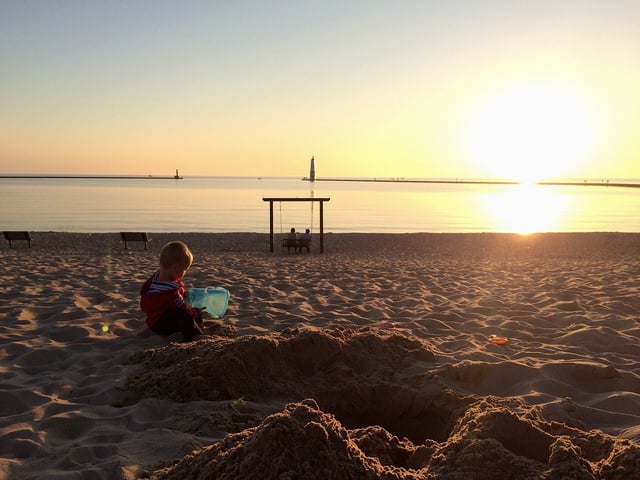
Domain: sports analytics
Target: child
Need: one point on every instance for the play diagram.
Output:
(305, 241)
(162, 295)
(292, 241)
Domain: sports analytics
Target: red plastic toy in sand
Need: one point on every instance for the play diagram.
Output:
(498, 340)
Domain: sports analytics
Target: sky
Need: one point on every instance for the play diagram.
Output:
(370, 88)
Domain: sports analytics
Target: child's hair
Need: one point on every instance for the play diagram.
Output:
(175, 253)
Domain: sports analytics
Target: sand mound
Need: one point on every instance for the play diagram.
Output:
(292, 362)
(368, 403)
(493, 439)
(300, 442)
(364, 376)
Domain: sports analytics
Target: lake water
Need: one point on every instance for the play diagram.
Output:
(235, 204)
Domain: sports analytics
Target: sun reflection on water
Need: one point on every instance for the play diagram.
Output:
(526, 209)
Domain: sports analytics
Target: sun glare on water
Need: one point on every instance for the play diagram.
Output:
(526, 209)
(530, 132)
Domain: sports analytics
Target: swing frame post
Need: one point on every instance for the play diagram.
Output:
(296, 199)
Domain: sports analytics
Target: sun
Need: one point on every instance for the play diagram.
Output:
(530, 132)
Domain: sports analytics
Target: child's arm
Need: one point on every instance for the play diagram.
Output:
(181, 303)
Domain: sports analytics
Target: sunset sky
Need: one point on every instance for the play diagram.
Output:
(463, 89)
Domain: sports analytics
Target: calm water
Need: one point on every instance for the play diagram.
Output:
(222, 204)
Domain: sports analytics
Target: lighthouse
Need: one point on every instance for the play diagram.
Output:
(312, 170)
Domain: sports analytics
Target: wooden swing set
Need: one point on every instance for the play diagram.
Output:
(296, 199)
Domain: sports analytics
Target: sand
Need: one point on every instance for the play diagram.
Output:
(372, 361)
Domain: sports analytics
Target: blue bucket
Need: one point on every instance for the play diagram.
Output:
(213, 299)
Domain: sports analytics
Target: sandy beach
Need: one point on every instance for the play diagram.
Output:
(375, 360)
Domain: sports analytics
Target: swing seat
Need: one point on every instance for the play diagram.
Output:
(289, 243)
(304, 243)
(297, 245)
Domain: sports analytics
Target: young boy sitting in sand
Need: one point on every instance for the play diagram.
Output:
(162, 295)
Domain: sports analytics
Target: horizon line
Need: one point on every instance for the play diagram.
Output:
(590, 182)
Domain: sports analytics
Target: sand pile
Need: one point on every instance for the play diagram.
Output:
(493, 439)
(287, 364)
(300, 442)
(390, 414)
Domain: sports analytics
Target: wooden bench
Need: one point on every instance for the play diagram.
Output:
(134, 237)
(10, 236)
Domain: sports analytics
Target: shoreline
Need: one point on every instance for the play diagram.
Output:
(257, 241)
(382, 343)
(567, 244)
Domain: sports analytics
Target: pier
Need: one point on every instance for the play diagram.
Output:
(568, 183)
(100, 177)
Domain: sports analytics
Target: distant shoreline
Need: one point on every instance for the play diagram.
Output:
(453, 181)
(558, 244)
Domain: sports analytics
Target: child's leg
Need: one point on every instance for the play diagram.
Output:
(178, 321)
(189, 326)
(165, 326)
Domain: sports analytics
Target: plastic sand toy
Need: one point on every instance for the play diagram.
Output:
(213, 299)
(498, 340)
